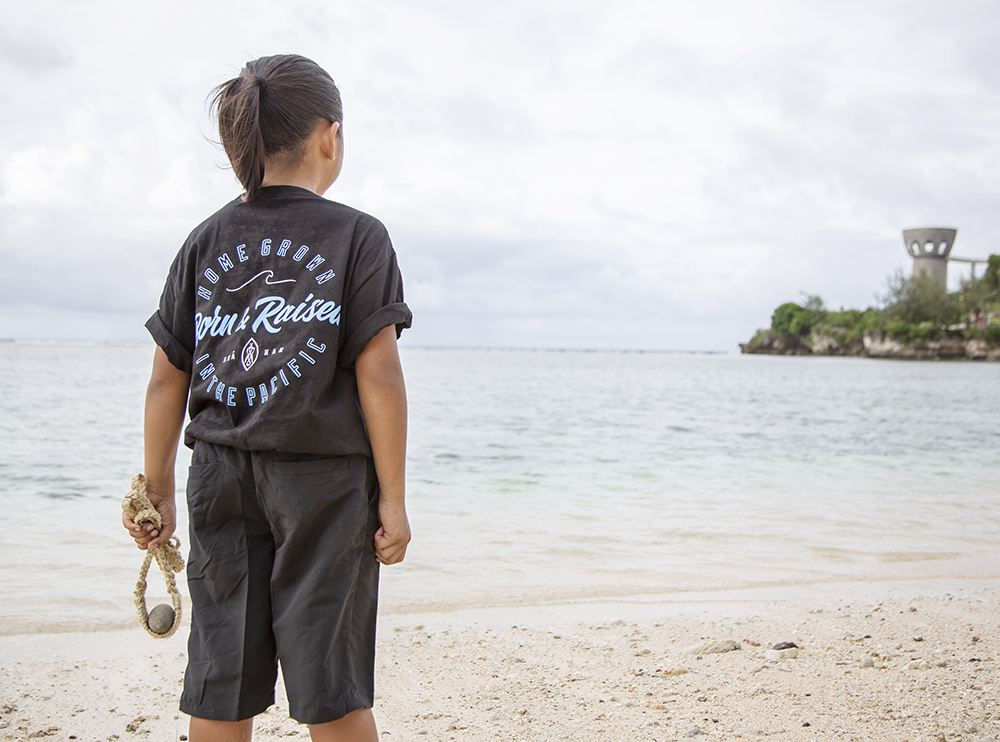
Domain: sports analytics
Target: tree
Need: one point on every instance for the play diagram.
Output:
(919, 299)
(814, 302)
(992, 277)
(790, 319)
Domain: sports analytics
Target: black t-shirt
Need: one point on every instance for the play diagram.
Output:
(267, 305)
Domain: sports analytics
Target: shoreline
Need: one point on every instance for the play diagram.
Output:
(875, 660)
(405, 590)
(873, 344)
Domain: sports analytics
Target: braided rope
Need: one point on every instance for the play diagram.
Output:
(137, 505)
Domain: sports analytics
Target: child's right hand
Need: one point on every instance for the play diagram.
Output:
(147, 536)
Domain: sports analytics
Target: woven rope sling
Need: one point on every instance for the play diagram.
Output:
(137, 505)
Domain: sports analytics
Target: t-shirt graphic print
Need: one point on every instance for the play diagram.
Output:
(267, 305)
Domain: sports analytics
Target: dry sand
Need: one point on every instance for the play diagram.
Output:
(874, 661)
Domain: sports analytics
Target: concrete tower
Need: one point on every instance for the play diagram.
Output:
(929, 247)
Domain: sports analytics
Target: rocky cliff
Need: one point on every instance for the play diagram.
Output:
(873, 344)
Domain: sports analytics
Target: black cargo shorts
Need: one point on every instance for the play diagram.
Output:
(281, 568)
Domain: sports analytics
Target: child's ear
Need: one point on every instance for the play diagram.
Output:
(328, 139)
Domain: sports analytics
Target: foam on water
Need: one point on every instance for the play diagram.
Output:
(540, 475)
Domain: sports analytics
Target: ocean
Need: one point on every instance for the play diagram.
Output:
(546, 476)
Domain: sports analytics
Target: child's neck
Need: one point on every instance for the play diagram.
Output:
(301, 177)
(318, 167)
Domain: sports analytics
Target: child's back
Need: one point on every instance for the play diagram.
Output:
(278, 326)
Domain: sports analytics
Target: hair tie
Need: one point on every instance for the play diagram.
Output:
(263, 84)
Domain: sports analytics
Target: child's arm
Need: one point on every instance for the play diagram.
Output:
(166, 397)
(383, 404)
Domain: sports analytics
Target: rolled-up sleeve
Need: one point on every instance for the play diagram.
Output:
(179, 356)
(172, 325)
(376, 303)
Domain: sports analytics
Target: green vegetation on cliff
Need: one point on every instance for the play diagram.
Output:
(912, 310)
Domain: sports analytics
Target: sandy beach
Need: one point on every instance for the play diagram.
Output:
(903, 660)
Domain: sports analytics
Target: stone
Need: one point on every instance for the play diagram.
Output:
(714, 647)
(671, 673)
(868, 662)
(785, 645)
(135, 724)
(782, 654)
(161, 618)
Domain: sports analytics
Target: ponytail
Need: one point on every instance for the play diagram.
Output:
(272, 108)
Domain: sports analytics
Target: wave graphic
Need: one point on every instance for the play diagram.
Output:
(268, 275)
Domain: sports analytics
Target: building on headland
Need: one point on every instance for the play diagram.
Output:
(930, 248)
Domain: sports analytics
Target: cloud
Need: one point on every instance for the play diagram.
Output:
(29, 52)
(631, 175)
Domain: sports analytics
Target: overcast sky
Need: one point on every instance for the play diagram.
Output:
(634, 174)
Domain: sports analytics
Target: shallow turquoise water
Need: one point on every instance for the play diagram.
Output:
(538, 475)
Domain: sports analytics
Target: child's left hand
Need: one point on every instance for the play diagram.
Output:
(394, 534)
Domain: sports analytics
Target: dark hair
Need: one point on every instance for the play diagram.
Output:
(271, 108)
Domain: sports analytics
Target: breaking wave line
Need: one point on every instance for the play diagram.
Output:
(268, 274)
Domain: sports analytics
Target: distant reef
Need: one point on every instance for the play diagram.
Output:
(872, 344)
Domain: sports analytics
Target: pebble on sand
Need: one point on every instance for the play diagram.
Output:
(714, 647)
(784, 645)
(782, 654)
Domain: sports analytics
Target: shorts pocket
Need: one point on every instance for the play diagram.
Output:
(217, 530)
(306, 499)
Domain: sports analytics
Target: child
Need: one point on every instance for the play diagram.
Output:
(278, 326)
